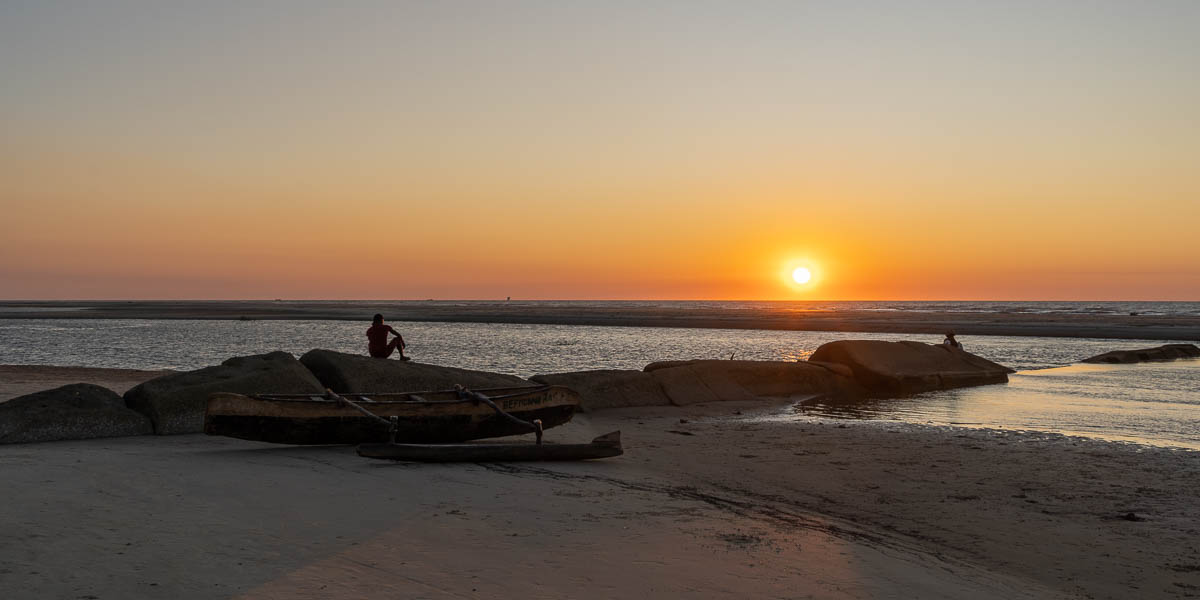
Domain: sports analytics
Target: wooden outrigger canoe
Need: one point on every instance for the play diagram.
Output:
(420, 417)
(601, 447)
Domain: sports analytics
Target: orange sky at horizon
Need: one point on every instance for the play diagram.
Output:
(687, 163)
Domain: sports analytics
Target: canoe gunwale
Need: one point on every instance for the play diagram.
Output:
(302, 406)
(421, 396)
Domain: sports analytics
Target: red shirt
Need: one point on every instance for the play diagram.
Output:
(377, 336)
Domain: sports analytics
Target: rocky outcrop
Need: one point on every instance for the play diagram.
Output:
(842, 370)
(1167, 352)
(609, 388)
(899, 368)
(694, 382)
(351, 373)
(175, 403)
(684, 382)
(71, 412)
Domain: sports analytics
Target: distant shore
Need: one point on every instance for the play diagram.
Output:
(782, 317)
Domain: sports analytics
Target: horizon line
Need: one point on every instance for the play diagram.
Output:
(510, 299)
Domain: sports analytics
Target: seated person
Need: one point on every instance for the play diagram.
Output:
(951, 342)
(377, 340)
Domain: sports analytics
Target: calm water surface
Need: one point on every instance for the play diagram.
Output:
(1151, 403)
(516, 349)
(1157, 403)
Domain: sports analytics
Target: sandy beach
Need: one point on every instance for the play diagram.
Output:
(1144, 327)
(722, 500)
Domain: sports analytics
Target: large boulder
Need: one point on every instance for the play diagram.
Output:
(698, 381)
(899, 368)
(1167, 352)
(176, 402)
(71, 412)
(351, 373)
(683, 386)
(609, 388)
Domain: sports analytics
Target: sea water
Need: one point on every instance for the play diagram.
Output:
(1150, 403)
(1153, 403)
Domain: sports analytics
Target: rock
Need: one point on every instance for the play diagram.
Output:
(694, 382)
(175, 403)
(610, 388)
(898, 368)
(351, 373)
(666, 364)
(1167, 352)
(684, 382)
(683, 386)
(840, 369)
(71, 412)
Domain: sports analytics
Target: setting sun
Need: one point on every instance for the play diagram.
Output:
(801, 275)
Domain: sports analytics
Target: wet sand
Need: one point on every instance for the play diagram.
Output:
(783, 317)
(704, 502)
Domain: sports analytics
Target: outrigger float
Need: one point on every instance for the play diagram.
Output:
(602, 447)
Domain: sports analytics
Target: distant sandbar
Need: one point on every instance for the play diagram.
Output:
(781, 317)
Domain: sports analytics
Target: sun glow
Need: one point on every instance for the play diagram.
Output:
(801, 275)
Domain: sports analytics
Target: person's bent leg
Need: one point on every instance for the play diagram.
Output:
(398, 343)
(382, 352)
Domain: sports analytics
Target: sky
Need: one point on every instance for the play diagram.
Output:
(923, 150)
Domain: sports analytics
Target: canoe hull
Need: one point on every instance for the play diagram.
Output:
(439, 417)
(602, 447)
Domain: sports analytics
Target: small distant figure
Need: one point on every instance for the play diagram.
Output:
(377, 340)
(951, 342)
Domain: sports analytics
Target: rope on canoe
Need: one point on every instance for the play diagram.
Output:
(535, 426)
(393, 424)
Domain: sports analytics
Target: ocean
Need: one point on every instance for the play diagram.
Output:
(965, 306)
(1155, 403)
(75, 309)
